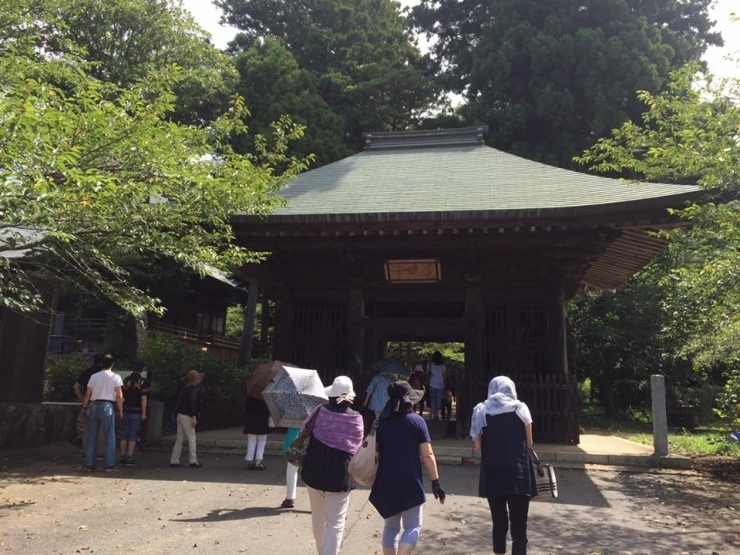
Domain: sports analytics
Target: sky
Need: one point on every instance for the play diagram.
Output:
(207, 15)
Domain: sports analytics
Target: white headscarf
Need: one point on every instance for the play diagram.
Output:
(501, 399)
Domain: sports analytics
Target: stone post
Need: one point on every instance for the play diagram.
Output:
(660, 417)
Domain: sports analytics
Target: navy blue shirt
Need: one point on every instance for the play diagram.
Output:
(399, 485)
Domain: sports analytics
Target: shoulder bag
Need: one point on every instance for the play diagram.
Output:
(544, 476)
(363, 466)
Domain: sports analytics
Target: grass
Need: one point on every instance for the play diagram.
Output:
(693, 444)
(702, 442)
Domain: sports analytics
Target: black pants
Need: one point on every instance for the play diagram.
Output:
(515, 518)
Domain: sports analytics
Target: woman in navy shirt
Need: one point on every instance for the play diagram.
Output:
(501, 428)
(398, 491)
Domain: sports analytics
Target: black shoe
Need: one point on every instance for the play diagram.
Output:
(176, 465)
(196, 465)
(288, 503)
(130, 462)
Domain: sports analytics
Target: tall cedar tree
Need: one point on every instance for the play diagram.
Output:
(356, 57)
(552, 77)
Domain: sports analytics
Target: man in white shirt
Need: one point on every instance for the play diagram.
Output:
(103, 401)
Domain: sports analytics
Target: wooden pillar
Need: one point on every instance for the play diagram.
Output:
(250, 312)
(556, 340)
(370, 343)
(24, 339)
(474, 354)
(283, 321)
(355, 332)
(266, 323)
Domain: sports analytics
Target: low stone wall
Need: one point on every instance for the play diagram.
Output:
(31, 425)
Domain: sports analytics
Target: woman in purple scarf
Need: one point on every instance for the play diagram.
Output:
(336, 435)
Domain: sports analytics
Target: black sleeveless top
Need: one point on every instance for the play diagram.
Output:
(506, 468)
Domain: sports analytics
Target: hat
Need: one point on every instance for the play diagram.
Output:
(341, 387)
(194, 377)
(402, 390)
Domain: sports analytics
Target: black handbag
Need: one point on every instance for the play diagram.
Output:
(296, 453)
(544, 476)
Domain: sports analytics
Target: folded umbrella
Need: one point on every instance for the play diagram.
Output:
(263, 375)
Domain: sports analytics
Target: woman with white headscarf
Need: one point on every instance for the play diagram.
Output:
(501, 428)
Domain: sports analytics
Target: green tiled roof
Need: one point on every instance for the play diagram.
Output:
(459, 178)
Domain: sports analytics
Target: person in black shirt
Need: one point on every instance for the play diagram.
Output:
(135, 399)
(188, 412)
(501, 428)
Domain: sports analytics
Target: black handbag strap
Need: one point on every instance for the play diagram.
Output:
(533, 455)
(311, 421)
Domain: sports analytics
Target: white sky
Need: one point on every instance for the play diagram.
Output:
(208, 15)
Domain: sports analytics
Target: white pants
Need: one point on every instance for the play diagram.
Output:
(328, 516)
(256, 447)
(185, 429)
(291, 481)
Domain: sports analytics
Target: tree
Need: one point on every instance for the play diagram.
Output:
(94, 176)
(549, 78)
(359, 54)
(274, 84)
(689, 134)
(126, 40)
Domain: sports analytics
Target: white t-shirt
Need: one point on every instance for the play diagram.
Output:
(103, 385)
(522, 411)
(436, 375)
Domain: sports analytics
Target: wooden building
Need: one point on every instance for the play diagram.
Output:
(433, 236)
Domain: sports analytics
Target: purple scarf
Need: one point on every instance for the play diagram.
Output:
(339, 430)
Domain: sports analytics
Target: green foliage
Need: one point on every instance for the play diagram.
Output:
(688, 135)
(126, 40)
(342, 67)
(701, 444)
(61, 374)
(234, 321)
(413, 353)
(551, 77)
(168, 359)
(95, 176)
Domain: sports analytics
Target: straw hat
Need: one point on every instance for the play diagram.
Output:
(194, 377)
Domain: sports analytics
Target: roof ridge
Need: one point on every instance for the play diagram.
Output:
(424, 138)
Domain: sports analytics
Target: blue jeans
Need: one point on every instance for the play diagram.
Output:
(435, 400)
(101, 415)
(130, 427)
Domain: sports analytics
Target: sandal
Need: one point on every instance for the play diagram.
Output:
(251, 466)
(259, 466)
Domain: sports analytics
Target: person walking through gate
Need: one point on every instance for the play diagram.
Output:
(376, 394)
(103, 401)
(436, 379)
(257, 427)
(501, 428)
(188, 410)
(135, 400)
(336, 435)
(398, 491)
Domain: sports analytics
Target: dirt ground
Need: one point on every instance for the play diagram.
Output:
(50, 505)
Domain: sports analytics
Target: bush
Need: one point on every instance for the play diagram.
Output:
(168, 359)
(62, 372)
